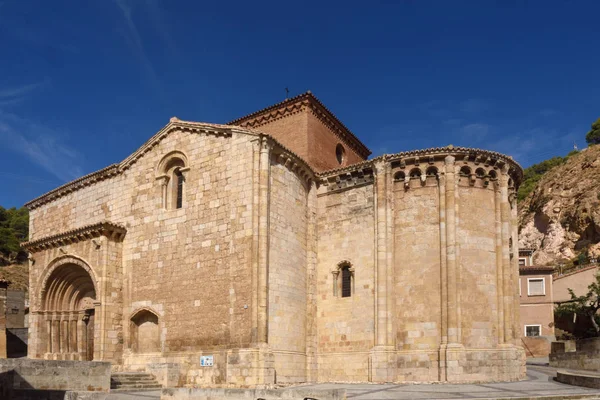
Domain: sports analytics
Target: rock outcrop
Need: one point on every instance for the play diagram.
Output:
(560, 219)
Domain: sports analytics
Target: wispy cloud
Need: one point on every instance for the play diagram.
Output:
(134, 40)
(18, 94)
(475, 132)
(41, 145)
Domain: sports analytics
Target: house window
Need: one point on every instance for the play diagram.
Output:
(536, 287)
(521, 262)
(533, 330)
(346, 282)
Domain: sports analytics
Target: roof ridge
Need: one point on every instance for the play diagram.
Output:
(308, 95)
(117, 168)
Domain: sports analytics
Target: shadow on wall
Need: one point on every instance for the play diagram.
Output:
(16, 343)
(13, 386)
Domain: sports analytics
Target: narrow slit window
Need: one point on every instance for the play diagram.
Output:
(179, 182)
(346, 282)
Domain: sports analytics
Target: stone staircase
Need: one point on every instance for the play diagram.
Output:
(133, 381)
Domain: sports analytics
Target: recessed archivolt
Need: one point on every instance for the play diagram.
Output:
(168, 161)
(59, 282)
(141, 310)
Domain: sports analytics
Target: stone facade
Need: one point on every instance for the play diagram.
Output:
(217, 242)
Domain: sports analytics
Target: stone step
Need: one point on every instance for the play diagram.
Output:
(131, 378)
(133, 381)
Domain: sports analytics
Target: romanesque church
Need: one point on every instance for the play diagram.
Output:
(273, 250)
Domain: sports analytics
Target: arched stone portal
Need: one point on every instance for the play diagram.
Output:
(67, 306)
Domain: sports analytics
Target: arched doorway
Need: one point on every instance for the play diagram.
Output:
(67, 305)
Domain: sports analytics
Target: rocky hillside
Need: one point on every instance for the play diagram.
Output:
(17, 275)
(560, 218)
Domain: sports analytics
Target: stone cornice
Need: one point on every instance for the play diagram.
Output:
(117, 169)
(462, 154)
(295, 163)
(296, 104)
(104, 228)
(173, 125)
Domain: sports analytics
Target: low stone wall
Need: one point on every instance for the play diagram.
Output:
(578, 379)
(584, 355)
(32, 378)
(245, 394)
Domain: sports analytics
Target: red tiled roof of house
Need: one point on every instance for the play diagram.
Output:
(536, 268)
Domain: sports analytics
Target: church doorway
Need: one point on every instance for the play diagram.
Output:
(68, 309)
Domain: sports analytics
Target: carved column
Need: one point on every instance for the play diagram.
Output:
(55, 335)
(516, 315)
(381, 255)
(506, 233)
(263, 241)
(499, 262)
(451, 253)
(383, 356)
(81, 337)
(50, 336)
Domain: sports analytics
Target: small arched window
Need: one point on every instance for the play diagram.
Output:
(343, 280)
(340, 153)
(172, 174)
(431, 171)
(493, 175)
(465, 171)
(178, 186)
(480, 172)
(346, 282)
(399, 176)
(415, 173)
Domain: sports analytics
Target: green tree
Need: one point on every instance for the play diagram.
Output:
(586, 305)
(14, 229)
(593, 136)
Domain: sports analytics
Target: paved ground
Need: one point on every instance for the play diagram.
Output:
(539, 383)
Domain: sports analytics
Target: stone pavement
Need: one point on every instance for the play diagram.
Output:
(539, 383)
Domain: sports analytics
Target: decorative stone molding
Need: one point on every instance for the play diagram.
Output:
(297, 104)
(351, 179)
(117, 169)
(114, 231)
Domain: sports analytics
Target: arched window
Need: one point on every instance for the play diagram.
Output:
(178, 187)
(480, 172)
(172, 173)
(340, 153)
(399, 176)
(493, 175)
(431, 171)
(346, 282)
(465, 171)
(415, 173)
(343, 279)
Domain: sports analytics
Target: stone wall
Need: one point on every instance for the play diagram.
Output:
(345, 325)
(586, 355)
(55, 375)
(287, 273)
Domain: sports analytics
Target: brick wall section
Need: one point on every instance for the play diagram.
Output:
(322, 142)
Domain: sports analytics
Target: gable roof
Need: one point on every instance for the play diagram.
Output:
(174, 124)
(290, 106)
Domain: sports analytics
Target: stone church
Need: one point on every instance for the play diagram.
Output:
(271, 250)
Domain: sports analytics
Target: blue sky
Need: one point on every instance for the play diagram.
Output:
(85, 83)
